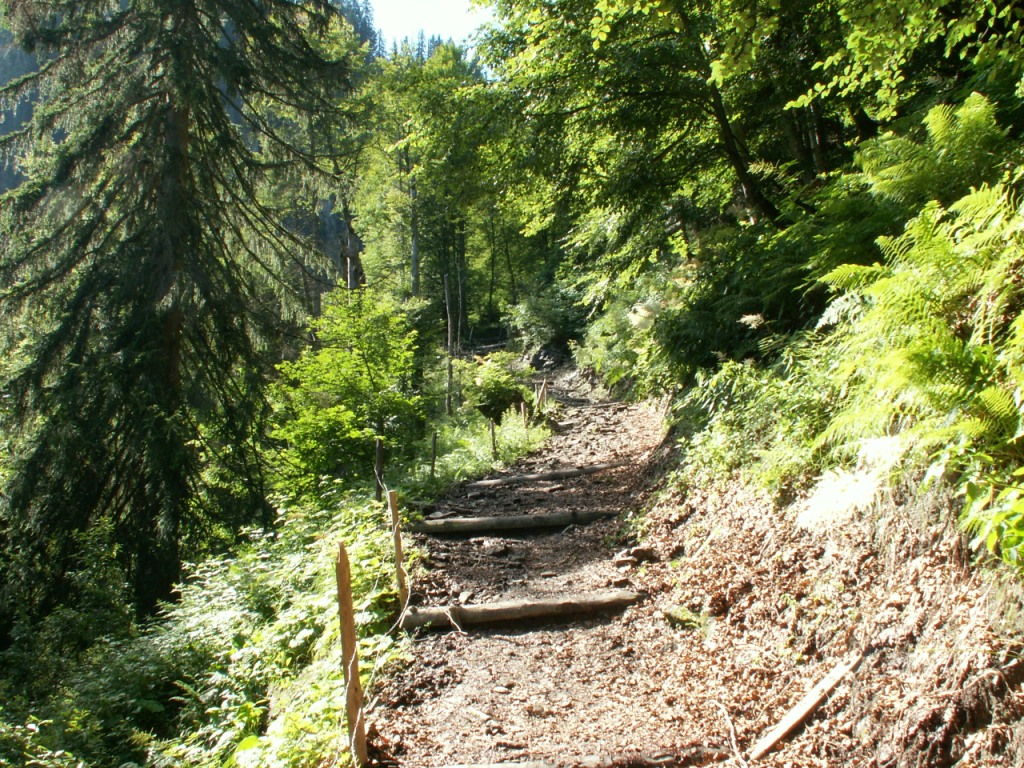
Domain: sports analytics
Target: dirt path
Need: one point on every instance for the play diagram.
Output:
(746, 606)
(550, 691)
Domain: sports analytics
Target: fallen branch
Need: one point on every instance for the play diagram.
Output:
(508, 523)
(690, 756)
(804, 707)
(517, 610)
(555, 474)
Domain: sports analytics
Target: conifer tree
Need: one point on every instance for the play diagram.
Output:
(141, 268)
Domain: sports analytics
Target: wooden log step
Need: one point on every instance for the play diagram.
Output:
(561, 608)
(555, 474)
(508, 523)
(693, 756)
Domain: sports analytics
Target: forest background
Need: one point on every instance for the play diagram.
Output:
(244, 243)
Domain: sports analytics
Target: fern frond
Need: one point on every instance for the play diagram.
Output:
(999, 406)
(941, 124)
(855, 277)
(963, 149)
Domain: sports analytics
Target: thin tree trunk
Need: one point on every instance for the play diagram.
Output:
(492, 247)
(450, 346)
(815, 133)
(513, 287)
(460, 276)
(794, 134)
(405, 167)
(750, 186)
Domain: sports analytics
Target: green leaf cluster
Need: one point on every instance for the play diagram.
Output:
(495, 384)
(352, 387)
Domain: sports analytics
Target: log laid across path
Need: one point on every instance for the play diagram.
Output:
(555, 474)
(690, 757)
(458, 616)
(511, 523)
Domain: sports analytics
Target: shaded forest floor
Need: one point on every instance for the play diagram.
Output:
(744, 610)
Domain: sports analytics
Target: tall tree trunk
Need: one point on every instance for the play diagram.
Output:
(513, 284)
(450, 346)
(815, 136)
(794, 133)
(405, 164)
(492, 248)
(750, 186)
(158, 515)
(460, 271)
(731, 144)
(414, 237)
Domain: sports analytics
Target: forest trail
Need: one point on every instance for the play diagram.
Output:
(745, 608)
(554, 691)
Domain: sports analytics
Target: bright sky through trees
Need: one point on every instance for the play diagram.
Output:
(455, 19)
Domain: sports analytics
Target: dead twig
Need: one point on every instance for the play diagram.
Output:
(732, 735)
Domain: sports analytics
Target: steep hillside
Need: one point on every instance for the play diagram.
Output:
(747, 605)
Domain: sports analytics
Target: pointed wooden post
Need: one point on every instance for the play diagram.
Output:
(396, 532)
(378, 469)
(350, 662)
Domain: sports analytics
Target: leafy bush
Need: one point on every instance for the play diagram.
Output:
(619, 344)
(495, 383)
(764, 419)
(745, 285)
(24, 744)
(355, 386)
(250, 629)
(924, 344)
(550, 318)
(934, 354)
(931, 338)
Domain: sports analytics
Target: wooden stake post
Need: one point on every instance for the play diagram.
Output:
(378, 469)
(350, 662)
(396, 532)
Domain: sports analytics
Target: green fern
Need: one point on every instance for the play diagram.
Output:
(936, 352)
(963, 146)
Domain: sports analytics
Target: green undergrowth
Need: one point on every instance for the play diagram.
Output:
(246, 663)
(244, 668)
(896, 352)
